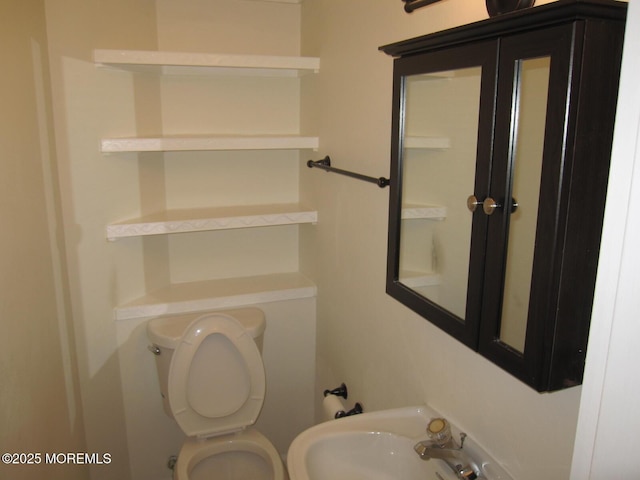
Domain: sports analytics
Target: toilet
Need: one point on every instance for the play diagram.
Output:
(212, 383)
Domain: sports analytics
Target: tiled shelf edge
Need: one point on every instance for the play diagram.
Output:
(193, 63)
(414, 279)
(413, 141)
(209, 219)
(208, 143)
(432, 212)
(218, 294)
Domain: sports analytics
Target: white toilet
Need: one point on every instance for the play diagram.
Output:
(212, 383)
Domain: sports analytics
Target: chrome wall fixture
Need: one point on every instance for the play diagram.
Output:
(325, 164)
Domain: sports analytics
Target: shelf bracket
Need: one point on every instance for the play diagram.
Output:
(325, 164)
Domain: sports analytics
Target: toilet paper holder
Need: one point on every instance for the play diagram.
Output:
(340, 391)
(354, 411)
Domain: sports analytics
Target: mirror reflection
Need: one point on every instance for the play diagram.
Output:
(531, 91)
(439, 158)
(439, 150)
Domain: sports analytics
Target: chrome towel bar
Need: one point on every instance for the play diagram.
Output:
(325, 164)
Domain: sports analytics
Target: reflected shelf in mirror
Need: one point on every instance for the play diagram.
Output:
(430, 212)
(415, 279)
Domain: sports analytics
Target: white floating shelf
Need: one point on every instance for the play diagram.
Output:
(218, 294)
(185, 63)
(208, 143)
(432, 212)
(412, 141)
(209, 219)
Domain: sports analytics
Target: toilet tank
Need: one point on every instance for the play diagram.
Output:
(165, 334)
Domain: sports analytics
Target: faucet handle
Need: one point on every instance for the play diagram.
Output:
(463, 437)
(439, 431)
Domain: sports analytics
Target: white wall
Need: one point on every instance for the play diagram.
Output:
(606, 436)
(387, 355)
(40, 410)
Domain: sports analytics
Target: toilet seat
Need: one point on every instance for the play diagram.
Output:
(249, 441)
(200, 407)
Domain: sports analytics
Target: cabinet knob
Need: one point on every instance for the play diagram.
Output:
(472, 203)
(489, 205)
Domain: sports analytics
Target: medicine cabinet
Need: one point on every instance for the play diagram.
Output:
(495, 224)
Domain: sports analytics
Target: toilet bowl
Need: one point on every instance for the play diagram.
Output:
(212, 382)
(245, 455)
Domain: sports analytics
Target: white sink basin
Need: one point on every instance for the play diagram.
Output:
(378, 446)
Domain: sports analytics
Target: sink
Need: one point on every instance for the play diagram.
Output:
(379, 446)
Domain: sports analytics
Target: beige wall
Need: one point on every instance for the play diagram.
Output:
(40, 409)
(387, 355)
(92, 189)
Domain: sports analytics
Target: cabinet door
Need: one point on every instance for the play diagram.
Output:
(444, 103)
(524, 203)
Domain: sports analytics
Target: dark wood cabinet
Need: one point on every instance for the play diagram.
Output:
(527, 103)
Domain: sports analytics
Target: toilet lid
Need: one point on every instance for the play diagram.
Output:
(216, 381)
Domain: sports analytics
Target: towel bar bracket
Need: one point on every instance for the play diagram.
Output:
(411, 5)
(325, 164)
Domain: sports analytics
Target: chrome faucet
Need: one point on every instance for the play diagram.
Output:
(441, 445)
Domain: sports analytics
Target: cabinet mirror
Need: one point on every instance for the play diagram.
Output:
(439, 143)
(438, 154)
(529, 119)
(500, 131)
